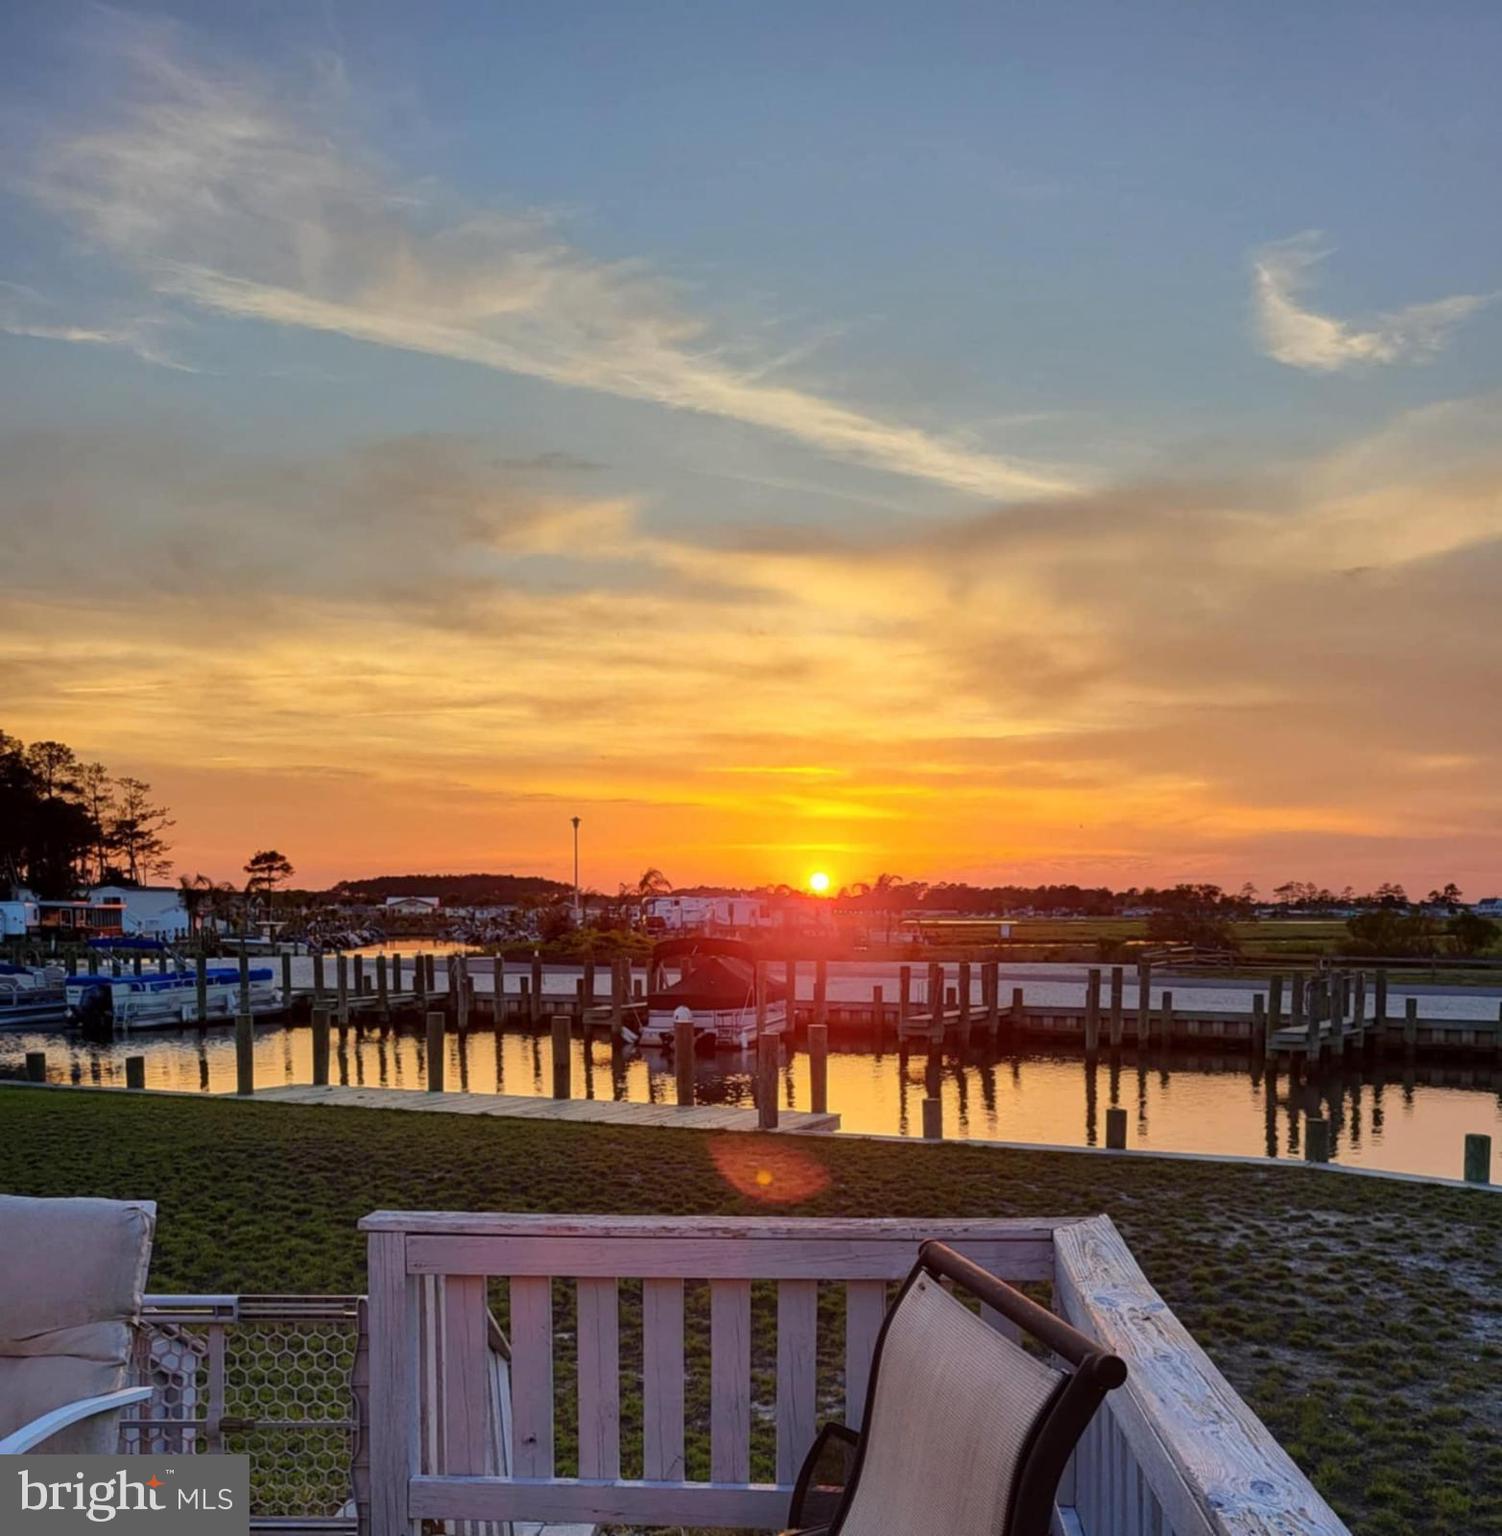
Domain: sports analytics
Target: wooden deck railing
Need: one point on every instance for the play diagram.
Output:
(1176, 1453)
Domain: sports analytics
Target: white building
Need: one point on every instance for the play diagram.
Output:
(152, 911)
(689, 913)
(411, 906)
(1490, 906)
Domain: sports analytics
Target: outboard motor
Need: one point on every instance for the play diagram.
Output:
(96, 1012)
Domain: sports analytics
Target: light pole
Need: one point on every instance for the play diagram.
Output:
(575, 820)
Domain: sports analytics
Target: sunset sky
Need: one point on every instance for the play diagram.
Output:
(984, 441)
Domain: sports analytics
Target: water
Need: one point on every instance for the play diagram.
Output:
(1382, 1116)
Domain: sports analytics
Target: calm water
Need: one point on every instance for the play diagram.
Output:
(1382, 1118)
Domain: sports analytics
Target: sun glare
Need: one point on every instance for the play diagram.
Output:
(818, 882)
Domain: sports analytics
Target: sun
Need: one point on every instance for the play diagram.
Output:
(818, 882)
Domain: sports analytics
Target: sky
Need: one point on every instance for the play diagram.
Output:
(993, 442)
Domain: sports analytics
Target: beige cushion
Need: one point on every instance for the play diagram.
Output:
(953, 1405)
(72, 1276)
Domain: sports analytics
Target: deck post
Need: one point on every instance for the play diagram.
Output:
(36, 1066)
(320, 1047)
(1116, 1128)
(1316, 1139)
(683, 1060)
(1410, 1025)
(818, 1068)
(1274, 1013)
(1478, 1159)
(394, 1385)
(383, 989)
(1092, 1012)
(433, 1021)
(341, 983)
(766, 1082)
(562, 1057)
(201, 987)
(933, 1119)
(1117, 984)
(135, 1073)
(1144, 1002)
(245, 1055)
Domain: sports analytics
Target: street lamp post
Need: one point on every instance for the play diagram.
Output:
(575, 820)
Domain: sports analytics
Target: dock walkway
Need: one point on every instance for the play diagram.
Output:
(699, 1117)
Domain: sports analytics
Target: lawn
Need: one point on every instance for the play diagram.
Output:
(1361, 1318)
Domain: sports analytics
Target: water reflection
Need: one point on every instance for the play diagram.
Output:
(1381, 1114)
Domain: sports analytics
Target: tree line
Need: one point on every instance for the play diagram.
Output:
(66, 823)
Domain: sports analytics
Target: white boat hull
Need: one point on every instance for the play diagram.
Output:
(731, 1029)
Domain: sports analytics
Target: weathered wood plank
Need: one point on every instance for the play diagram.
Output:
(393, 1385)
(465, 1386)
(662, 1380)
(865, 1307)
(532, 1376)
(797, 1324)
(730, 1380)
(599, 1379)
(742, 1229)
(1211, 1463)
(755, 1506)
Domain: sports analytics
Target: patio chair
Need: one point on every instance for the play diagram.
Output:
(965, 1433)
(72, 1276)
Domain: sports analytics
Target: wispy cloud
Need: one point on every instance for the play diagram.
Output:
(26, 313)
(1303, 338)
(243, 202)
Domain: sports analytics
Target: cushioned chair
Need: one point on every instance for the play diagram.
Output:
(965, 1433)
(72, 1277)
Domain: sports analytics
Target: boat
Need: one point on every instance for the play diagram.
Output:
(100, 1002)
(31, 996)
(717, 986)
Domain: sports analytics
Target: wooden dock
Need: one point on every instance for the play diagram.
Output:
(699, 1117)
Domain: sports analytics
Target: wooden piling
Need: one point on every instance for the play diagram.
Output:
(1118, 982)
(935, 998)
(766, 1082)
(879, 1013)
(1358, 1009)
(1478, 1159)
(245, 1055)
(1144, 1002)
(436, 1058)
(319, 985)
(321, 1047)
(459, 975)
(341, 985)
(933, 1119)
(420, 983)
(1167, 1016)
(1379, 1020)
(383, 988)
(1274, 1013)
(818, 1068)
(993, 997)
(534, 1006)
(357, 983)
(821, 993)
(790, 984)
(588, 987)
(201, 987)
(135, 1073)
(904, 998)
(1261, 1034)
(1297, 1003)
(1017, 1009)
(964, 999)
(244, 980)
(36, 1066)
(1313, 1006)
(1316, 1139)
(396, 974)
(1410, 1025)
(683, 1059)
(619, 985)
(1092, 1012)
(286, 980)
(1116, 1128)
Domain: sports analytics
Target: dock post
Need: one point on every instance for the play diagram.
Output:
(818, 1068)
(683, 1061)
(879, 1012)
(1144, 1002)
(821, 992)
(135, 1073)
(790, 982)
(1478, 1159)
(935, 999)
(535, 995)
(383, 989)
(562, 1059)
(933, 1119)
(460, 977)
(618, 989)
(1116, 1128)
(1260, 1031)
(201, 984)
(245, 1055)
(1312, 1000)
(1092, 1012)
(320, 1047)
(993, 997)
(1167, 1018)
(286, 980)
(396, 973)
(136, 960)
(588, 987)
(419, 983)
(1274, 1013)
(341, 970)
(1410, 1025)
(1117, 983)
(1358, 1009)
(904, 998)
(435, 1022)
(319, 984)
(357, 985)
(1018, 1012)
(1379, 1018)
(36, 1066)
(1316, 1139)
(766, 1082)
(964, 985)
(244, 980)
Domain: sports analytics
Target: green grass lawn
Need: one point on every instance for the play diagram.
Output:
(1361, 1318)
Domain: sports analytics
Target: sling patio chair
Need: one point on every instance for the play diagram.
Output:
(72, 1281)
(965, 1433)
